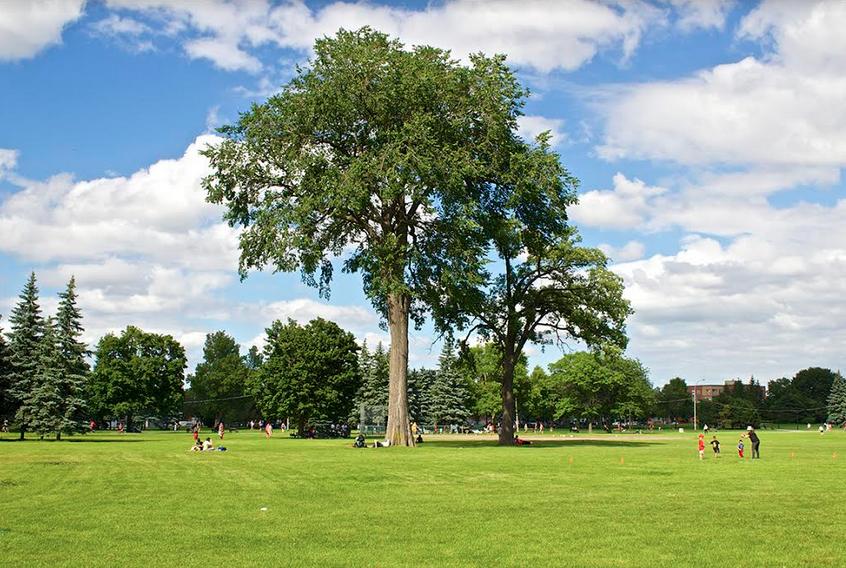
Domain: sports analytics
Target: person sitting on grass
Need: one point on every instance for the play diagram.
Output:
(197, 447)
(207, 445)
(359, 441)
(419, 438)
(520, 442)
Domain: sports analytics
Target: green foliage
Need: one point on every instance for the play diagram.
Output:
(221, 375)
(837, 401)
(137, 372)
(674, 402)
(69, 331)
(6, 401)
(309, 372)
(27, 328)
(449, 394)
(253, 360)
(600, 385)
(56, 403)
(814, 384)
(371, 145)
(379, 149)
(420, 400)
(481, 367)
(786, 403)
(737, 406)
(549, 287)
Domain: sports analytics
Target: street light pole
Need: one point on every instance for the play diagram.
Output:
(695, 420)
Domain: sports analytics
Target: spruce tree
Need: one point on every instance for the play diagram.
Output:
(420, 383)
(449, 395)
(5, 376)
(55, 404)
(27, 328)
(837, 400)
(69, 330)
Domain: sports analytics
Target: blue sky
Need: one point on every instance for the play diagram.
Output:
(709, 138)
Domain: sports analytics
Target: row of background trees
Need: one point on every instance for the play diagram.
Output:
(813, 395)
(316, 372)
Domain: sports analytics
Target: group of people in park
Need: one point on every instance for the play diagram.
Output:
(715, 444)
(206, 446)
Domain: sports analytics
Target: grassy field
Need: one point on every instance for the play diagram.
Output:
(143, 500)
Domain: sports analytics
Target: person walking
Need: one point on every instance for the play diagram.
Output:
(701, 446)
(268, 429)
(715, 444)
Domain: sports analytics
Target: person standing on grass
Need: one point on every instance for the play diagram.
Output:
(268, 429)
(740, 447)
(220, 430)
(753, 437)
(5, 426)
(701, 446)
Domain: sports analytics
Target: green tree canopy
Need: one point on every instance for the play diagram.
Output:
(220, 380)
(674, 402)
(310, 372)
(599, 385)
(814, 383)
(547, 287)
(372, 147)
(481, 367)
(137, 373)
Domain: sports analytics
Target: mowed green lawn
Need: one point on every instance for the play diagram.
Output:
(143, 500)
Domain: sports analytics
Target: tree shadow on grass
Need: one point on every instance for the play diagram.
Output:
(478, 444)
(71, 440)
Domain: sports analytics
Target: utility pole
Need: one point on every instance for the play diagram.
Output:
(695, 422)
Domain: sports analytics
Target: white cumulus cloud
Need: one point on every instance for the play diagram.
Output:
(27, 27)
(541, 35)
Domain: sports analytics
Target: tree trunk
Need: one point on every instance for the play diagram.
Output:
(398, 431)
(506, 431)
(23, 431)
(58, 435)
(301, 432)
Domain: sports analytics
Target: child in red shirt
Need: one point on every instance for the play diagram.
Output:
(701, 445)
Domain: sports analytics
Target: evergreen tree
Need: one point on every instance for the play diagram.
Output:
(69, 330)
(449, 394)
(420, 382)
(27, 328)
(5, 377)
(55, 404)
(374, 391)
(74, 352)
(837, 400)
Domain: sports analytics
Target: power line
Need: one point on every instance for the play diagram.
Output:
(218, 399)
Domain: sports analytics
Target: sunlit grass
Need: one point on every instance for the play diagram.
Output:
(143, 500)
